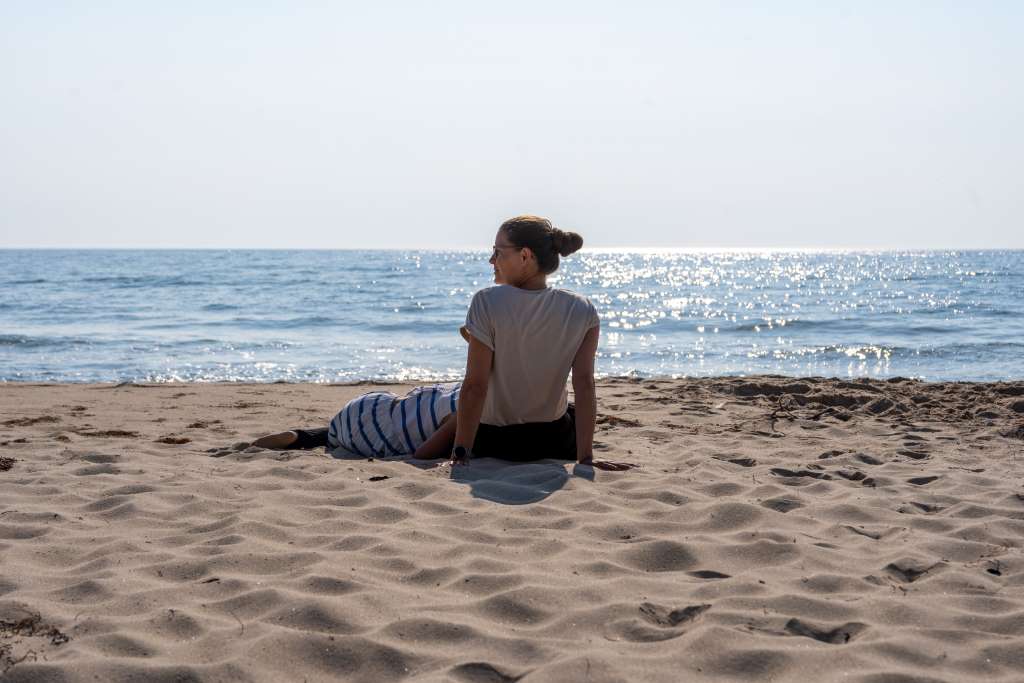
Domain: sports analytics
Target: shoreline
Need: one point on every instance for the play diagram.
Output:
(894, 379)
(794, 527)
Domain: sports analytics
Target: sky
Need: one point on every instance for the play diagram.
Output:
(424, 125)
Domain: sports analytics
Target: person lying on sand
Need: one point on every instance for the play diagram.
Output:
(379, 423)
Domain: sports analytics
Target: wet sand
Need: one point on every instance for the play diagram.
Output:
(778, 528)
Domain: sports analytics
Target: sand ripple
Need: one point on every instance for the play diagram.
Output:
(779, 529)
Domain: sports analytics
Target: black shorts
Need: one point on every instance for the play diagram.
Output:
(529, 441)
(309, 438)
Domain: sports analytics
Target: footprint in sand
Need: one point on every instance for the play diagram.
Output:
(909, 571)
(175, 440)
(656, 623)
(617, 421)
(29, 421)
(482, 672)
(100, 458)
(782, 504)
(236, 447)
(875, 535)
(661, 616)
(660, 556)
(708, 574)
(111, 433)
(96, 469)
(782, 472)
(742, 462)
(831, 454)
(927, 508)
(840, 635)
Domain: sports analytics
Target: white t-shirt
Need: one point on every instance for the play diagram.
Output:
(535, 335)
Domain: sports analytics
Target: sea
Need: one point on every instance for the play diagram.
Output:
(393, 315)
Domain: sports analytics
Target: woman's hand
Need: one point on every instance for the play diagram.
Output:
(460, 456)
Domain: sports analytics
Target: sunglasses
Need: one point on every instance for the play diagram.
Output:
(497, 249)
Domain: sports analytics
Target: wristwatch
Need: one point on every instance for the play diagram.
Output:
(461, 453)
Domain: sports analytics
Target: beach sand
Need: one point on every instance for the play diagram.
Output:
(778, 529)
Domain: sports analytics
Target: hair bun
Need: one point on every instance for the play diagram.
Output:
(564, 242)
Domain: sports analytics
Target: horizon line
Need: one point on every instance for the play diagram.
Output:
(477, 249)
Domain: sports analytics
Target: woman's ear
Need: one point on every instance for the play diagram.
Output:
(465, 333)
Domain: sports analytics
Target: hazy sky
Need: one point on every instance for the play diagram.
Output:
(287, 124)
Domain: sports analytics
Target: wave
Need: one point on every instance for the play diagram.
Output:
(415, 327)
(997, 312)
(799, 323)
(16, 340)
(24, 341)
(138, 281)
(112, 352)
(875, 324)
(300, 322)
(975, 351)
(283, 324)
(892, 353)
(32, 281)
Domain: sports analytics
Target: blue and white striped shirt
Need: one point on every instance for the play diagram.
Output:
(380, 423)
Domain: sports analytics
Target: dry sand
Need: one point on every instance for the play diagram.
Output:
(779, 529)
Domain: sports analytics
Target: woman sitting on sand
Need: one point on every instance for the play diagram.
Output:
(524, 337)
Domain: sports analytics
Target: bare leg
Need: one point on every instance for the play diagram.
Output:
(276, 442)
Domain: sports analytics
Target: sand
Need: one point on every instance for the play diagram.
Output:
(779, 529)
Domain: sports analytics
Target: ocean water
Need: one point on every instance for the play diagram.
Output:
(345, 316)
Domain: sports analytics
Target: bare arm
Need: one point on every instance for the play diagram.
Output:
(473, 393)
(586, 405)
(440, 442)
(586, 395)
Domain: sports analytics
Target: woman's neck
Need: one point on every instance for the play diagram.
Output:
(538, 281)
